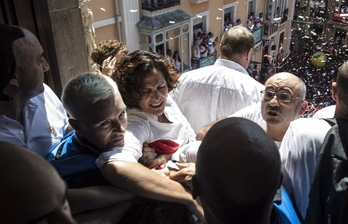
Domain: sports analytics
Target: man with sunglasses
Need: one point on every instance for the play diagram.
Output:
(283, 100)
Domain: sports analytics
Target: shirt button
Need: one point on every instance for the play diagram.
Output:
(21, 132)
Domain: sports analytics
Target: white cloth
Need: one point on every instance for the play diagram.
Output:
(253, 113)
(311, 4)
(299, 153)
(176, 63)
(45, 123)
(204, 51)
(196, 52)
(145, 128)
(208, 94)
(326, 112)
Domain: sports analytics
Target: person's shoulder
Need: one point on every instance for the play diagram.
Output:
(306, 127)
(251, 109)
(326, 112)
(196, 74)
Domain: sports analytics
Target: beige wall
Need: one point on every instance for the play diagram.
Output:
(104, 10)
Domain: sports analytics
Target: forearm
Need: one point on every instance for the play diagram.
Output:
(142, 181)
(97, 197)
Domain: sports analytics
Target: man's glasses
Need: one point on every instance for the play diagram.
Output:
(283, 97)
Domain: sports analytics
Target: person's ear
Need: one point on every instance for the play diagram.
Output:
(249, 54)
(14, 80)
(334, 93)
(76, 126)
(195, 187)
(303, 108)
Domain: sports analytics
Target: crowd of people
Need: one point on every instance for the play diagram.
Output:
(136, 141)
(318, 79)
(255, 22)
(204, 44)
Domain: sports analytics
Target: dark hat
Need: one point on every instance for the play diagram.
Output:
(7, 60)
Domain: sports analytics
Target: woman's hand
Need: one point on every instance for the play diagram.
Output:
(108, 66)
(151, 159)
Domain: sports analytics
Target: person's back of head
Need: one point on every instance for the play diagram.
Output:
(32, 190)
(7, 59)
(237, 173)
(236, 42)
(340, 92)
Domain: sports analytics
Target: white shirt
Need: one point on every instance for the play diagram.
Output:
(253, 113)
(196, 52)
(204, 51)
(45, 123)
(145, 128)
(208, 94)
(311, 4)
(326, 112)
(299, 153)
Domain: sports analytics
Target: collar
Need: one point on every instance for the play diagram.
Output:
(231, 64)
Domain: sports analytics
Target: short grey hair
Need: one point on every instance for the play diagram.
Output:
(86, 89)
(302, 88)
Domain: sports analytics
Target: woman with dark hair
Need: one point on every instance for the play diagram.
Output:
(157, 128)
(144, 80)
(176, 60)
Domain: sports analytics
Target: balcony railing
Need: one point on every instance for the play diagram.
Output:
(269, 28)
(153, 5)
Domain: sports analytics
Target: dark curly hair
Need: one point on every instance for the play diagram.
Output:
(106, 48)
(132, 69)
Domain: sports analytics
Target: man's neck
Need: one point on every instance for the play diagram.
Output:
(13, 109)
(276, 134)
(341, 111)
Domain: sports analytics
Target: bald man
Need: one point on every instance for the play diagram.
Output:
(238, 175)
(283, 100)
(32, 191)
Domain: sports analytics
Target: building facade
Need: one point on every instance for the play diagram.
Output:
(158, 25)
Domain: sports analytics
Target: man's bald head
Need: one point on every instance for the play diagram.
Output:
(238, 172)
(291, 80)
(32, 189)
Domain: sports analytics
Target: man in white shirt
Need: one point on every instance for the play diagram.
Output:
(208, 94)
(283, 101)
(31, 115)
(302, 144)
